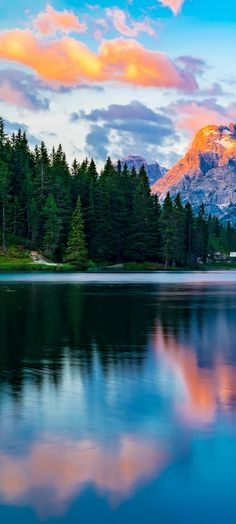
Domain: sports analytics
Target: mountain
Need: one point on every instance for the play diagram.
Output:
(154, 171)
(207, 173)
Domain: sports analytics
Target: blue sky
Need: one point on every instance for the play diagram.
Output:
(154, 74)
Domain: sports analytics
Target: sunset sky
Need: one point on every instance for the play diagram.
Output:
(117, 77)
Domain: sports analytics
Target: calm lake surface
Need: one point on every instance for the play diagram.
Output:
(118, 398)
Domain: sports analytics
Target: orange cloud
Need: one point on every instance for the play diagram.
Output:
(64, 467)
(67, 61)
(50, 21)
(118, 18)
(174, 5)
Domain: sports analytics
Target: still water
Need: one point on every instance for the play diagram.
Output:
(118, 398)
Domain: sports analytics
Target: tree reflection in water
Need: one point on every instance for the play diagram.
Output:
(103, 386)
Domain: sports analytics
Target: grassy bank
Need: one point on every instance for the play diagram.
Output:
(27, 265)
(19, 259)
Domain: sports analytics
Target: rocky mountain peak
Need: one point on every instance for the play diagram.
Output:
(207, 172)
(215, 139)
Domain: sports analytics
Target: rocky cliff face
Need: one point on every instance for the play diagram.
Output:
(207, 173)
(154, 171)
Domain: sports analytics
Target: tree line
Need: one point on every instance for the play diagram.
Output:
(76, 214)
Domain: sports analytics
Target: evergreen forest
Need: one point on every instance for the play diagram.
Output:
(78, 215)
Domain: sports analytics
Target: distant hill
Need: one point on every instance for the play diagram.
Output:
(154, 171)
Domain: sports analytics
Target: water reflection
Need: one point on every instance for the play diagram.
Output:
(112, 389)
(61, 468)
(37, 323)
(196, 343)
(205, 389)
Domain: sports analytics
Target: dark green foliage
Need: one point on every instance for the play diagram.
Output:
(78, 214)
(179, 236)
(189, 232)
(52, 226)
(201, 235)
(168, 231)
(76, 251)
(4, 199)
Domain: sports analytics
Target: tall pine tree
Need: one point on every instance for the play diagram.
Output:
(76, 251)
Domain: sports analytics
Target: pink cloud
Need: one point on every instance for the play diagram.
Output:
(119, 20)
(193, 115)
(174, 5)
(101, 27)
(10, 95)
(20, 89)
(50, 21)
(98, 35)
(119, 60)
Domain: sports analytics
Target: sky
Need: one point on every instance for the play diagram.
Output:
(117, 77)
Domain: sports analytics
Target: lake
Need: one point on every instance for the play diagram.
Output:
(118, 398)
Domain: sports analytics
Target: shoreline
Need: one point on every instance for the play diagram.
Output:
(22, 262)
(63, 268)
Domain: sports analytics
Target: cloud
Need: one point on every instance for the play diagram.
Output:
(193, 64)
(21, 89)
(213, 90)
(50, 21)
(13, 127)
(119, 20)
(98, 143)
(174, 5)
(125, 128)
(192, 115)
(119, 60)
(133, 111)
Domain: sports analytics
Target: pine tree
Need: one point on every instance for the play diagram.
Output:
(4, 198)
(89, 207)
(76, 252)
(17, 217)
(2, 135)
(201, 235)
(139, 238)
(167, 231)
(103, 240)
(179, 231)
(52, 226)
(188, 243)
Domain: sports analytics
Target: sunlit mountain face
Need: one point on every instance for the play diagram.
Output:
(207, 173)
(125, 391)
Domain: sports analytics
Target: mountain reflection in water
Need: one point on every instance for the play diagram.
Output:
(106, 391)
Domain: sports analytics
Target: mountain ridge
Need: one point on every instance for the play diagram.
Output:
(206, 173)
(154, 170)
